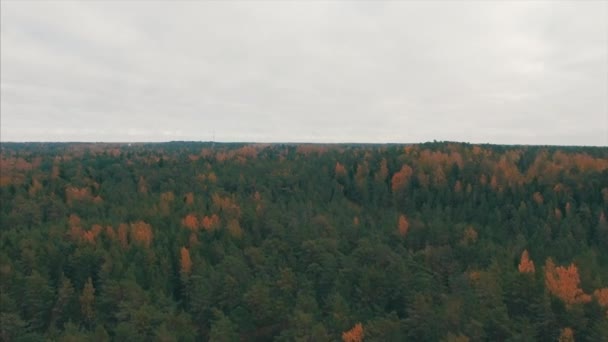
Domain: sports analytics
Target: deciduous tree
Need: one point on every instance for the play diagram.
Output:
(401, 178)
(185, 261)
(563, 282)
(567, 335)
(142, 232)
(355, 334)
(403, 225)
(526, 265)
(190, 222)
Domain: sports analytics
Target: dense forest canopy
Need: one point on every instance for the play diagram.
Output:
(303, 242)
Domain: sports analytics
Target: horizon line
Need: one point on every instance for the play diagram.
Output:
(288, 143)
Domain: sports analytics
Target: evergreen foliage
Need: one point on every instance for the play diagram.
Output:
(190, 241)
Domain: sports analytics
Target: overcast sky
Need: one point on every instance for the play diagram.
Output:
(500, 72)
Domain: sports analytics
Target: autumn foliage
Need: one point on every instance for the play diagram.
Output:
(311, 149)
(289, 243)
(142, 233)
(601, 295)
(80, 194)
(401, 178)
(340, 171)
(13, 169)
(191, 222)
(526, 265)
(563, 282)
(90, 235)
(403, 225)
(353, 335)
(538, 198)
(225, 205)
(78, 234)
(567, 335)
(210, 222)
(185, 261)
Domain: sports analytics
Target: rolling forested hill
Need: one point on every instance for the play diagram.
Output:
(285, 242)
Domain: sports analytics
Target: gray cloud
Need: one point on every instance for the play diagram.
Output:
(499, 72)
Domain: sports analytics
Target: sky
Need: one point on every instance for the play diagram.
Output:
(500, 72)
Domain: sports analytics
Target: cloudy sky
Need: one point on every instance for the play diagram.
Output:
(501, 72)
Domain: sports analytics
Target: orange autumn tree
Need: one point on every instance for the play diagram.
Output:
(401, 178)
(190, 222)
(563, 282)
(185, 261)
(354, 335)
(526, 265)
(210, 222)
(403, 225)
(226, 205)
(602, 298)
(142, 232)
(340, 170)
(567, 335)
(90, 235)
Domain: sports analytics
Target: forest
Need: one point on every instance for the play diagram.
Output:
(201, 241)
